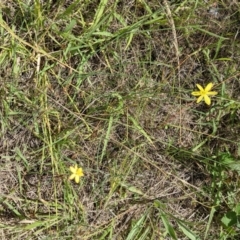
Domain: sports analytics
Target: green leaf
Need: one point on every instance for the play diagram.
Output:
(103, 33)
(132, 188)
(144, 235)
(229, 219)
(213, 210)
(135, 190)
(226, 158)
(237, 209)
(70, 26)
(34, 225)
(187, 231)
(168, 227)
(235, 167)
(136, 229)
(99, 11)
(12, 208)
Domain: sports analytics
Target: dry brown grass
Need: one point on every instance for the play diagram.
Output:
(111, 92)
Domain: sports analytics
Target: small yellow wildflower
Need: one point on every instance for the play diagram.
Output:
(204, 93)
(76, 173)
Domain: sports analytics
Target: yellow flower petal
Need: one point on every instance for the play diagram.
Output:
(200, 87)
(208, 87)
(73, 169)
(207, 99)
(72, 177)
(77, 179)
(196, 93)
(200, 99)
(80, 172)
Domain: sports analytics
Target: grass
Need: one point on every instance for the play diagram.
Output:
(107, 85)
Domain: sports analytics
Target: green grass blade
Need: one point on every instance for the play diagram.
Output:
(187, 231)
(101, 7)
(213, 210)
(140, 129)
(136, 229)
(170, 230)
(106, 138)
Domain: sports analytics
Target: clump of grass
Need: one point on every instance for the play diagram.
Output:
(107, 86)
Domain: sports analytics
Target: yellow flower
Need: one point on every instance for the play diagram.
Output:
(76, 173)
(204, 93)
